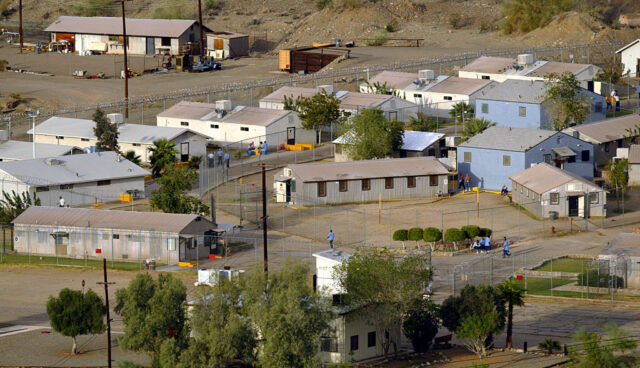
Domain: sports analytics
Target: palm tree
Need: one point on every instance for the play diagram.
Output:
(513, 294)
(13, 204)
(163, 156)
(422, 122)
(131, 156)
(549, 345)
(475, 126)
(460, 109)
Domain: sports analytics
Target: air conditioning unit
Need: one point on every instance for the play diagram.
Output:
(115, 118)
(327, 88)
(525, 59)
(288, 173)
(426, 75)
(224, 105)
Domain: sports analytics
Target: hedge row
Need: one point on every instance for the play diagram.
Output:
(432, 234)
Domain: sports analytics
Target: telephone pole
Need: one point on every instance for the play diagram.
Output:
(21, 35)
(264, 221)
(202, 48)
(126, 68)
(106, 301)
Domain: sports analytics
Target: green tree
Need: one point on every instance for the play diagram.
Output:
(163, 156)
(461, 111)
(526, 15)
(549, 345)
(395, 132)
(152, 311)
(471, 231)
(421, 324)
(388, 286)
(289, 103)
(618, 174)
(475, 126)
(380, 88)
(319, 111)
(415, 234)
(612, 71)
(432, 235)
(172, 195)
(74, 313)
(105, 131)
(596, 351)
(422, 122)
(133, 157)
(13, 204)
(475, 329)
(401, 235)
(513, 295)
(369, 135)
(566, 105)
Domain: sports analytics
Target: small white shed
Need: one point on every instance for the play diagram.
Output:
(630, 57)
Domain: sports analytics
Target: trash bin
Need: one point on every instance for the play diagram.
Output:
(553, 215)
(152, 265)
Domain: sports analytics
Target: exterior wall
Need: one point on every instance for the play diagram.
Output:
(271, 105)
(505, 113)
(629, 58)
(326, 282)
(280, 126)
(540, 205)
(435, 104)
(494, 77)
(486, 169)
(83, 41)
(308, 192)
(85, 242)
(197, 144)
(581, 168)
(232, 47)
(634, 174)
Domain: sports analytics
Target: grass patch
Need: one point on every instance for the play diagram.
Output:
(22, 259)
(565, 265)
(525, 211)
(622, 112)
(542, 286)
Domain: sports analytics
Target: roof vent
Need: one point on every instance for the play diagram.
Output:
(525, 59)
(223, 105)
(53, 162)
(426, 75)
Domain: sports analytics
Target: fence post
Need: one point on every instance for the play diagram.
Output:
(525, 273)
(491, 269)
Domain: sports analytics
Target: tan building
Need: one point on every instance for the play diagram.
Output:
(634, 165)
(227, 45)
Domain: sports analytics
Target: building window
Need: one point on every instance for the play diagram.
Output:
(485, 108)
(527, 193)
(585, 155)
(606, 147)
(366, 184)
(136, 144)
(165, 41)
(42, 189)
(343, 185)
(102, 183)
(620, 143)
(59, 239)
(515, 187)
(593, 198)
(433, 180)
(547, 158)
(486, 77)
(371, 339)
(506, 160)
(322, 189)
(184, 123)
(598, 107)
(467, 157)
(114, 38)
(411, 181)
(571, 159)
(59, 137)
(388, 183)
(116, 236)
(66, 186)
(522, 111)
(84, 139)
(244, 129)
(448, 98)
(554, 198)
(417, 95)
(328, 345)
(215, 126)
(354, 343)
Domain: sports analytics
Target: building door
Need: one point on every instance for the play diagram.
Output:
(638, 68)
(288, 191)
(184, 151)
(151, 45)
(291, 135)
(573, 206)
(581, 211)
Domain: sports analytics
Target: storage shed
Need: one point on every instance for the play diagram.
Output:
(630, 57)
(227, 45)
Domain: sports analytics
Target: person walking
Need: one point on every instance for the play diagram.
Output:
(220, 153)
(61, 202)
(487, 244)
(212, 160)
(330, 237)
(227, 158)
(505, 248)
(608, 101)
(461, 183)
(467, 183)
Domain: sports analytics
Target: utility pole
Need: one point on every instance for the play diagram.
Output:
(202, 48)
(264, 221)
(20, 31)
(126, 68)
(106, 301)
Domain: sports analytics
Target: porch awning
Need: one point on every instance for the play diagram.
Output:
(575, 193)
(563, 152)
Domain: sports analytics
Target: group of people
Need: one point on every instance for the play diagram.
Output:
(221, 155)
(464, 183)
(262, 148)
(613, 99)
(484, 246)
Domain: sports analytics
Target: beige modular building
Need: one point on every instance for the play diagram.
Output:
(131, 137)
(634, 165)
(227, 45)
(144, 36)
(122, 235)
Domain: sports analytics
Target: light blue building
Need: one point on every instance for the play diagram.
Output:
(518, 104)
(493, 156)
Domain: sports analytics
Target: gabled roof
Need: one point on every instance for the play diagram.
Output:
(543, 177)
(508, 138)
(88, 167)
(128, 133)
(19, 150)
(411, 140)
(460, 86)
(369, 169)
(634, 154)
(348, 100)
(113, 26)
(333, 254)
(516, 90)
(539, 68)
(557, 67)
(608, 130)
(395, 80)
(628, 45)
(105, 219)
(239, 115)
(489, 64)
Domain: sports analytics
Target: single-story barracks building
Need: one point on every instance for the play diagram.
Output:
(361, 181)
(83, 232)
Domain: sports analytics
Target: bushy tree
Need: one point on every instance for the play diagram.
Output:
(105, 131)
(454, 235)
(566, 105)
(401, 235)
(475, 329)
(369, 135)
(319, 111)
(432, 235)
(380, 88)
(484, 232)
(612, 70)
(421, 324)
(596, 351)
(475, 126)
(415, 234)
(388, 286)
(13, 204)
(74, 313)
(618, 173)
(471, 231)
(172, 195)
(513, 295)
(422, 122)
(163, 156)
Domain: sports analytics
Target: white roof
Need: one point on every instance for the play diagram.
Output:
(411, 140)
(113, 26)
(333, 254)
(128, 133)
(20, 150)
(72, 169)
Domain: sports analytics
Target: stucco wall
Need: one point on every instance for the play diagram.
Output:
(508, 114)
(581, 168)
(486, 168)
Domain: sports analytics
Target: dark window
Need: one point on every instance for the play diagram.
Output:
(522, 111)
(66, 186)
(606, 147)
(215, 126)
(571, 159)
(593, 198)
(485, 108)
(116, 236)
(547, 158)
(411, 182)
(585, 156)
(431, 152)
(59, 137)
(371, 339)
(354, 343)
(388, 183)
(620, 143)
(136, 144)
(244, 129)
(448, 98)
(417, 95)
(184, 123)
(42, 189)
(366, 184)
(486, 77)
(322, 189)
(104, 182)
(343, 185)
(293, 185)
(433, 180)
(554, 198)
(166, 41)
(328, 344)
(84, 139)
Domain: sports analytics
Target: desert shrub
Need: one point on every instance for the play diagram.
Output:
(471, 231)
(93, 8)
(593, 279)
(379, 40)
(6, 9)
(454, 235)
(549, 345)
(484, 26)
(431, 234)
(484, 232)
(321, 4)
(527, 15)
(455, 20)
(415, 234)
(174, 9)
(212, 4)
(401, 235)
(391, 26)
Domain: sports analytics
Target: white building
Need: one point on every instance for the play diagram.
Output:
(20, 150)
(630, 57)
(351, 103)
(225, 124)
(131, 137)
(79, 179)
(414, 144)
(634, 165)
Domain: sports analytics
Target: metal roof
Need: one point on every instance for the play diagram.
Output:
(556, 67)
(188, 110)
(369, 169)
(246, 115)
(489, 64)
(128, 133)
(460, 86)
(106, 219)
(72, 169)
(624, 244)
(411, 140)
(333, 254)
(395, 80)
(19, 150)
(539, 68)
(113, 26)
(628, 45)
(516, 90)
(634, 154)
(227, 35)
(279, 94)
(356, 100)
(606, 130)
(543, 177)
(508, 138)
